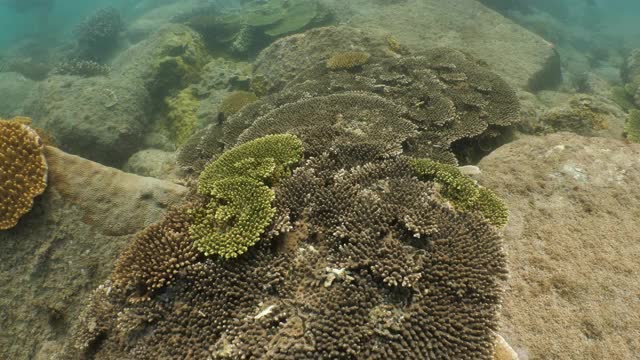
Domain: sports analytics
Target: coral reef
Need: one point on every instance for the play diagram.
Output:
(347, 60)
(442, 93)
(632, 126)
(282, 60)
(23, 170)
(181, 115)
(98, 34)
(372, 265)
(238, 184)
(462, 191)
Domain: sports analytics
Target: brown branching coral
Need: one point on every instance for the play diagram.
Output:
(443, 93)
(23, 170)
(375, 266)
(157, 254)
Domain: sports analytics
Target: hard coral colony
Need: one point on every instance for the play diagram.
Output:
(23, 170)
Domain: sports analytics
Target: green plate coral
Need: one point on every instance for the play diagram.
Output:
(235, 218)
(461, 191)
(238, 183)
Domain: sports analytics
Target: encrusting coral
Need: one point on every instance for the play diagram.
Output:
(238, 184)
(181, 115)
(23, 170)
(347, 60)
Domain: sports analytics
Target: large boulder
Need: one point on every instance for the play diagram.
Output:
(66, 246)
(106, 118)
(573, 241)
(524, 59)
(100, 118)
(15, 89)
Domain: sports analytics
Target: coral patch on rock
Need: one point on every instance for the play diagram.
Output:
(23, 170)
(238, 186)
(347, 60)
(372, 265)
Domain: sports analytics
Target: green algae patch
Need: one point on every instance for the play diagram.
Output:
(181, 115)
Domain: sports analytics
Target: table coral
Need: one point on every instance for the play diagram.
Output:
(443, 93)
(23, 174)
(375, 266)
(237, 185)
(462, 191)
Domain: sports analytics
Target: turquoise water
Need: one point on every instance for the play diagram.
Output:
(51, 20)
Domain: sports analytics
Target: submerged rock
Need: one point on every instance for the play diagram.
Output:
(66, 246)
(106, 118)
(101, 118)
(572, 242)
(523, 58)
(15, 88)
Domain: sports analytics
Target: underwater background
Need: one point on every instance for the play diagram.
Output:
(319, 179)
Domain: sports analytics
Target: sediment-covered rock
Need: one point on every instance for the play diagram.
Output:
(523, 58)
(66, 246)
(572, 244)
(15, 89)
